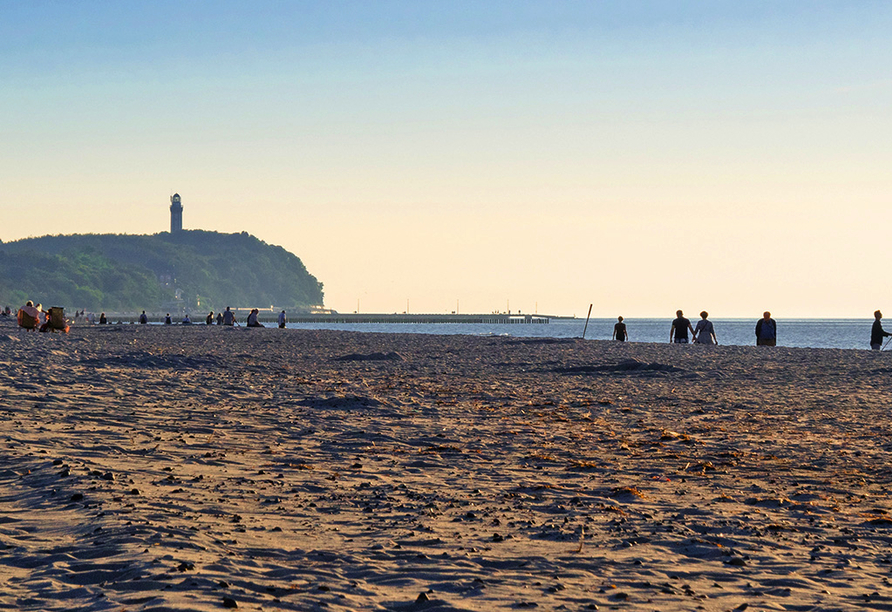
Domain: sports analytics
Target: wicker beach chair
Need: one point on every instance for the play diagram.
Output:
(27, 320)
(56, 319)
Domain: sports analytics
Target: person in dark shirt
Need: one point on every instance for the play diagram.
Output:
(679, 331)
(619, 330)
(143, 318)
(766, 330)
(167, 320)
(876, 332)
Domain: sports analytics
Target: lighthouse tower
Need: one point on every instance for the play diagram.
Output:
(176, 214)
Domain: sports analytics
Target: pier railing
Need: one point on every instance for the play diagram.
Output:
(271, 318)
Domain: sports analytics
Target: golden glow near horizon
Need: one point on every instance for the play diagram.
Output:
(536, 156)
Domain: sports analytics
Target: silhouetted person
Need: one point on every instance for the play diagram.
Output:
(705, 332)
(876, 332)
(679, 331)
(619, 330)
(282, 320)
(228, 317)
(143, 319)
(766, 330)
(252, 319)
(210, 318)
(167, 320)
(102, 319)
(219, 318)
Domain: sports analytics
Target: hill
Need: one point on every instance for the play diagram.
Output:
(120, 272)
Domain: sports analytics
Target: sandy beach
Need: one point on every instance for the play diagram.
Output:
(206, 468)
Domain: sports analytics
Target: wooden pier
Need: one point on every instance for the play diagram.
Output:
(270, 318)
(492, 319)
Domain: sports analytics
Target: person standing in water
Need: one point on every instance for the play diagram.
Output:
(619, 330)
(877, 333)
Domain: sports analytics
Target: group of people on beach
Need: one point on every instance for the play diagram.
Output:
(31, 317)
(704, 333)
(226, 317)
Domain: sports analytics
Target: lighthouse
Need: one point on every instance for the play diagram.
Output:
(176, 214)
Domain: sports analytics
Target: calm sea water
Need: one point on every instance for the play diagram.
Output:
(811, 333)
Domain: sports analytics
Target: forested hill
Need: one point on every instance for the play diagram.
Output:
(119, 272)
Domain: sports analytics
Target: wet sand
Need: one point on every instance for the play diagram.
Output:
(196, 468)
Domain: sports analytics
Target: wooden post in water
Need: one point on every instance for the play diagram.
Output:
(586, 320)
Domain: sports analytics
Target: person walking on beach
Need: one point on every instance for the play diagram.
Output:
(282, 320)
(679, 331)
(228, 317)
(619, 330)
(766, 330)
(876, 332)
(143, 318)
(705, 332)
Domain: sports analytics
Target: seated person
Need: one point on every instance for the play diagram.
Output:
(252, 319)
(55, 320)
(29, 317)
(228, 317)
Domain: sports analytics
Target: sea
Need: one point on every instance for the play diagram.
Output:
(800, 333)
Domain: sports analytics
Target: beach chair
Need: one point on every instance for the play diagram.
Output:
(27, 320)
(56, 320)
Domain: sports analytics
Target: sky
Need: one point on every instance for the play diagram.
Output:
(474, 156)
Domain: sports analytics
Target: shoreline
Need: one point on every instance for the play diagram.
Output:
(358, 471)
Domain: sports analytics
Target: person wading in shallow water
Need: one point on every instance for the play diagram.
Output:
(876, 332)
(619, 330)
(679, 331)
(766, 330)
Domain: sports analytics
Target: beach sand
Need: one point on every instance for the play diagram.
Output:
(206, 468)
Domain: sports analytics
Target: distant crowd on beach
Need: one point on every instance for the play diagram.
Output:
(765, 330)
(34, 317)
(226, 317)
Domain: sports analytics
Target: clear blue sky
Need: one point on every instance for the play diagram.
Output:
(643, 156)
